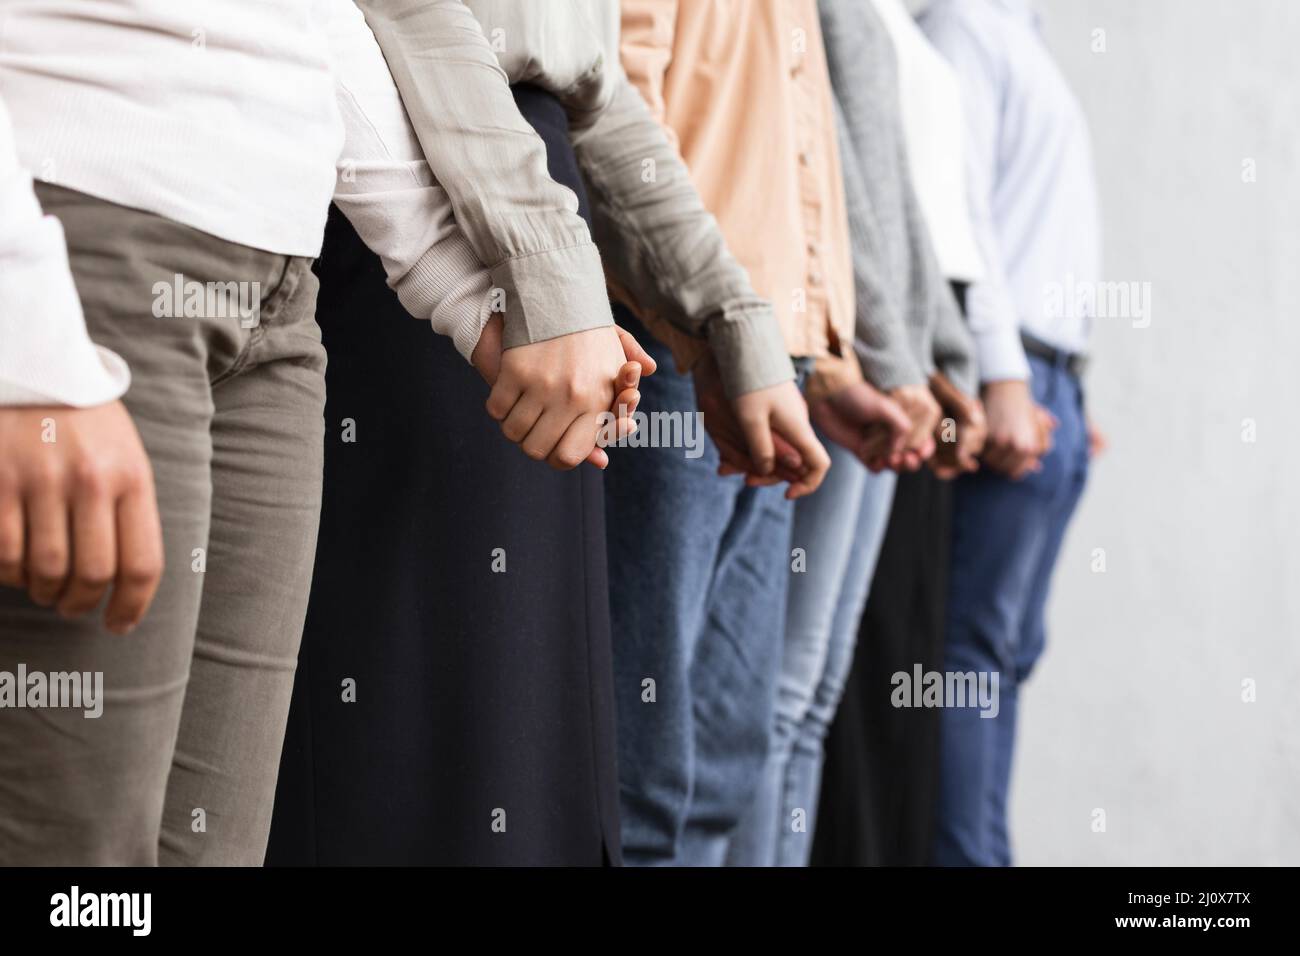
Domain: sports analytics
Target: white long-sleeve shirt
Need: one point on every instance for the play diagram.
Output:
(231, 118)
(45, 355)
(934, 129)
(1033, 192)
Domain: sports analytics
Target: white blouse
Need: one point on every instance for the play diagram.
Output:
(243, 124)
(934, 128)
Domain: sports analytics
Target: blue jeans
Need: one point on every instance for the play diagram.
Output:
(1006, 537)
(840, 528)
(697, 574)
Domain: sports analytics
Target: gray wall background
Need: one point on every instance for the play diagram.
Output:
(1137, 706)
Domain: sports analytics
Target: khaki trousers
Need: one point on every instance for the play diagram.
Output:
(181, 766)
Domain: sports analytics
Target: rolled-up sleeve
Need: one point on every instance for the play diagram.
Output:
(491, 163)
(386, 190)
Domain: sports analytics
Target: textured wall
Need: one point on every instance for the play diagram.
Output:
(1137, 706)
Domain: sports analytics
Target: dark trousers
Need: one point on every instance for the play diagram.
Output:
(453, 698)
(880, 781)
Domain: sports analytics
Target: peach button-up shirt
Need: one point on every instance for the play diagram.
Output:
(743, 89)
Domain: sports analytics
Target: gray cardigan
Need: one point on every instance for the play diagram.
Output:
(908, 323)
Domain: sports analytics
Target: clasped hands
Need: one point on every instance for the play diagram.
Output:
(549, 398)
(910, 425)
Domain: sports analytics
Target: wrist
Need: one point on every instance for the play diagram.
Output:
(486, 354)
(1006, 386)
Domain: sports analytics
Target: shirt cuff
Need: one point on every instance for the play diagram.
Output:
(46, 356)
(465, 321)
(1001, 356)
(553, 293)
(93, 377)
(451, 287)
(750, 351)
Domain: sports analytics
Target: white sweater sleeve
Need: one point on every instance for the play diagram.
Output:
(46, 357)
(388, 193)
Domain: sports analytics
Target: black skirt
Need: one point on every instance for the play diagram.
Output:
(453, 701)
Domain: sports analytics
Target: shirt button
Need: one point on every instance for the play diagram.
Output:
(804, 158)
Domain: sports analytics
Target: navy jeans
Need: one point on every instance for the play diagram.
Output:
(1006, 537)
(697, 574)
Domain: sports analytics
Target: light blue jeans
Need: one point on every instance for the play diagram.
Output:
(840, 529)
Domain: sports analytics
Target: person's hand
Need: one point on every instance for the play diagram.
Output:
(960, 453)
(923, 411)
(866, 422)
(724, 428)
(764, 434)
(78, 514)
(490, 359)
(1019, 430)
(1097, 441)
(547, 395)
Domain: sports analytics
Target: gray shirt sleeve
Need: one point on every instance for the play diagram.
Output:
(665, 248)
(660, 242)
(521, 223)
